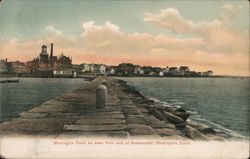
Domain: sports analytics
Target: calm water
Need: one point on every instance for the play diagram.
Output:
(30, 92)
(224, 101)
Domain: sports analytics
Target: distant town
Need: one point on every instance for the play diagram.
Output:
(49, 65)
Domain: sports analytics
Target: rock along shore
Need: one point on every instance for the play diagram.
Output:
(128, 114)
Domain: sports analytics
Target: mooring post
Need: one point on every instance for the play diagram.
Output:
(101, 96)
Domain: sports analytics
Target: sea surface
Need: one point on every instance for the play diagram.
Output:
(222, 103)
(29, 92)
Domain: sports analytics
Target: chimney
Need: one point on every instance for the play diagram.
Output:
(51, 51)
(6, 60)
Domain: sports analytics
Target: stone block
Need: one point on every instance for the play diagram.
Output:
(99, 121)
(167, 132)
(94, 134)
(104, 116)
(172, 118)
(139, 129)
(130, 111)
(156, 113)
(104, 127)
(194, 134)
(135, 119)
(63, 114)
(33, 115)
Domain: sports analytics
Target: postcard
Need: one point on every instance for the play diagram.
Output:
(124, 79)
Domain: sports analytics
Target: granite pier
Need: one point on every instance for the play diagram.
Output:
(128, 114)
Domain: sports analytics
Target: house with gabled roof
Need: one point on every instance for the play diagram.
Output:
(183, 70)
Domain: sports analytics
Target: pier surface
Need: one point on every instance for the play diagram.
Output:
(128, 114)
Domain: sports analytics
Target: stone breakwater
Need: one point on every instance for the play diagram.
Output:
(177, 117)
(128, 114)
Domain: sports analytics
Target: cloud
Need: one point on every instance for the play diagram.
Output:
(229, 12)
(217, 34)
(90, 27)
(109, 39)
(53, 30)
(172, 19)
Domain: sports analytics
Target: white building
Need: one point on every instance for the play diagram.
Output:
(208, 73)
(64, 73)
(74, 74)
(166, 69)
(112, 71)
(151, 73)
(86, 68)
(92, 68)
(139, 71)
(101, 69)
(161, 74)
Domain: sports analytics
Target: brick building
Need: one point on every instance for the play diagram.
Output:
(46, 62)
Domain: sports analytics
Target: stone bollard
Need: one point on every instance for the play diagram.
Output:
(101, 97)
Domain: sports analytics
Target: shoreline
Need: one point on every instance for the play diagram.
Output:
(145, 76)
(136, 114)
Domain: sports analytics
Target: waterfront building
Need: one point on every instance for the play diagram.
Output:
(165, 70)
(183, 70)
(46, 62)
(147, 70)
(64, 61)
(3, 66)
(161, 74)
(173, 71)
(157, 70)
(152, 73)
(208, 73)
(111, 70)
(192, 73)
(199, 74)
(93, 68)
(16, 67)
(78, 68)
(33, 65)
(138, 70)
(101, 68)
(64, 73)
(126, 68)
(141, 72)
(85, 67)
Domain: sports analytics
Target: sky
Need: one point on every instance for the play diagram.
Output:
(204, 35)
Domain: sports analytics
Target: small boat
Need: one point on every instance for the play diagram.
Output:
(12, 81)
(9, 81)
